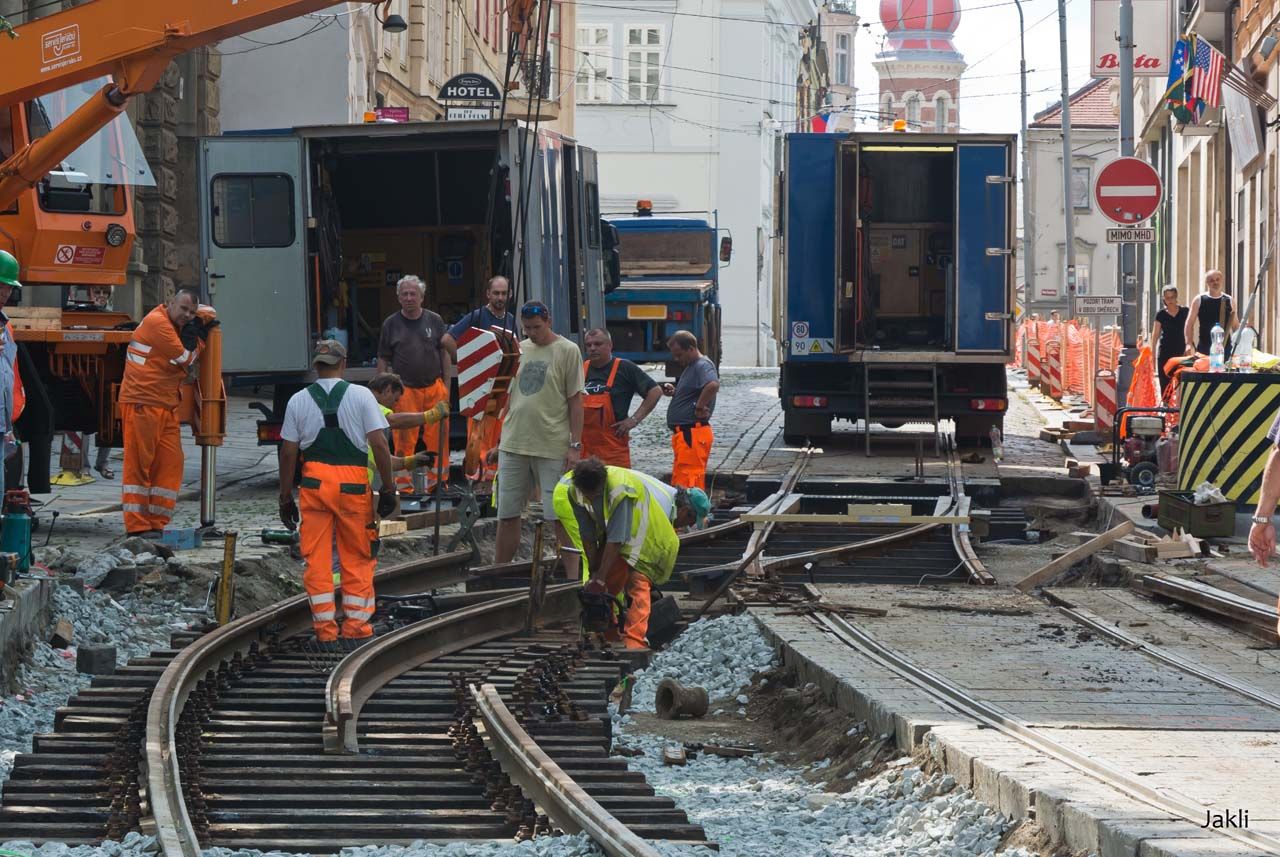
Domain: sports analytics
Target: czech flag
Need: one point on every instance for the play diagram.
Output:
(819, 123)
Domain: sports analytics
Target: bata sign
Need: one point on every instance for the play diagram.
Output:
(1151, 40)
(469, 87)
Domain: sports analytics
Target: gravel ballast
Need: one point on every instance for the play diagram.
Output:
(719, 655)
(135, 626)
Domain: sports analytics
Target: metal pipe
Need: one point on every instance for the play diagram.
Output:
(1028, 217)
(1128, 253)
(1068, 210)
(208, 485)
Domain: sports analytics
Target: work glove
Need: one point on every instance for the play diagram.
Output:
(386, 503)
(191, 333)
(205, 327)
(436, 414)
(419, 459)
(289, 514)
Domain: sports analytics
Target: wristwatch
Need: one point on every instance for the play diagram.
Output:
(1260, 519)
(575, 444)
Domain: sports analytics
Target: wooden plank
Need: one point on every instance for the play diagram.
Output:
(1048, 572)
(391, 528)
(1135, 550)
(853, 519)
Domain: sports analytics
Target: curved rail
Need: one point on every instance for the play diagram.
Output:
(554, 791)
(169, 821)
(367, 670)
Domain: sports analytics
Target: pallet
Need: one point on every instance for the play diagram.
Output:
(34, 317)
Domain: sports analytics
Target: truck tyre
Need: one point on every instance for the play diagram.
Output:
(800, 428)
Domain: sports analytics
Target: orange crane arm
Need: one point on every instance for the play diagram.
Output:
(131, 40)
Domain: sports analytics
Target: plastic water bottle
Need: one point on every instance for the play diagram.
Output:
(997, 444)
(1242, 356)
(1217, 339)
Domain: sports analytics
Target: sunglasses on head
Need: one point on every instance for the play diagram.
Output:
(531, 310)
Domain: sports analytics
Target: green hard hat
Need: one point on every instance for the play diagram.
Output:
(8, 269)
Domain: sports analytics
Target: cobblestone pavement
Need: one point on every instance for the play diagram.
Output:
(748, 426)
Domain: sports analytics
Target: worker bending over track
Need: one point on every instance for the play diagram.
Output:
(624, 523)
(333, 425)
(161, 353)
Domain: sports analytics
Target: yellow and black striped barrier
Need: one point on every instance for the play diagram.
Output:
(1225, 417)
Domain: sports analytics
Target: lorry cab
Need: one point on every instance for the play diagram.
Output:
(897, 279)
(669, 277)
(306, 233)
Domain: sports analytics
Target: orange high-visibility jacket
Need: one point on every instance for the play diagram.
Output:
(156, 363)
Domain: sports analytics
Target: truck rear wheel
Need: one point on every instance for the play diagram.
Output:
(801, 428)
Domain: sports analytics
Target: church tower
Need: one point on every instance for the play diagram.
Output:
(919, 67)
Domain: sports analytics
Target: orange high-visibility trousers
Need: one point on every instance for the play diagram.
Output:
(489, 431)
(636, 622)
(406, 440)
(152, 466)
(336, 500)
(691, 450)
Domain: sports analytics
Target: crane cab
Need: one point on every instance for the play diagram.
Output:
(75, 227)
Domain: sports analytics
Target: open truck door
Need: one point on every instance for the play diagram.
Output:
(984, 247)
(253, 250)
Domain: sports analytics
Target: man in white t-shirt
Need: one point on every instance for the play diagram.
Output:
(332, 425)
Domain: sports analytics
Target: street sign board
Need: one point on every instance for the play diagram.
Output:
(1133, 235)
(470, 87)
(1151, 41)
(1098, 305)
(1128, 191)
(463, 113)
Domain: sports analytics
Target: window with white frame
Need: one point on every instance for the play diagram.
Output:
(1081, 182)
(843, 41)
(644, 62)
(595, 43)
(886, 109)
(390, 40)
(941, 112)
(435, 36)
(914, 104)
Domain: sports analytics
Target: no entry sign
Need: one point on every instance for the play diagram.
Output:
(1128, 191)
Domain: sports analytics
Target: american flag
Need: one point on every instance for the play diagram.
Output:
(1206, 83)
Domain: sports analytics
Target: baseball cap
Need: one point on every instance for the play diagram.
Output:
(700, 503)
(329, 351)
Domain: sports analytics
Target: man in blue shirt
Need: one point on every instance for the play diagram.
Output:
(491, 315)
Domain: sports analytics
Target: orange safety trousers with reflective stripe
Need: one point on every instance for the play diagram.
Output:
(423, 399)
(336, 500)
(691, 450)
(636, 620)
(152, 466)
(484, 434)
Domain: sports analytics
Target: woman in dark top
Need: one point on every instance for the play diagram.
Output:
(1168, 332)
(1211, 307)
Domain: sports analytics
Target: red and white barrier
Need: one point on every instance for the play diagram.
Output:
(1034, 371)
(1055, 370)
(1104, 411)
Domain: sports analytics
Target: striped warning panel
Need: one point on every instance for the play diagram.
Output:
(1223, 437)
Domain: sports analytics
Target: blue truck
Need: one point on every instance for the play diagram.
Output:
(896, 262)
(668, 279)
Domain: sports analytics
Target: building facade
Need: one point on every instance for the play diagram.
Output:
(332, 67)
(839, 27)
(1219, 209)
(686, 106)
(1094, 144)
(918, 66)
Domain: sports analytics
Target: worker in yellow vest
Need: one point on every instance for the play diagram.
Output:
(624, 523)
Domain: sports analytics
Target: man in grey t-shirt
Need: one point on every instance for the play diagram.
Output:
(693, 400)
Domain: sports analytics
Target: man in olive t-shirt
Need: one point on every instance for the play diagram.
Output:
(542, 429)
